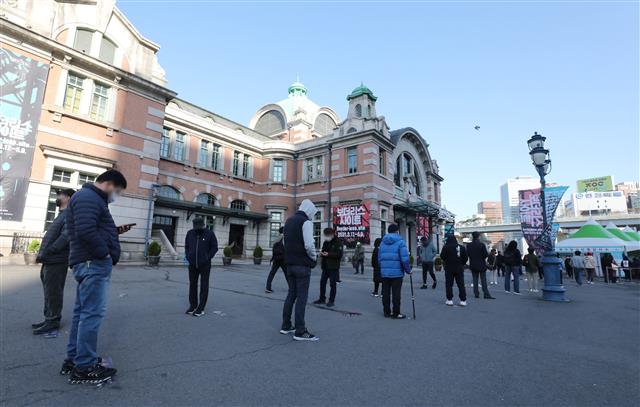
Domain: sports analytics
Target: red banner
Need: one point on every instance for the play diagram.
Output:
(351, 222)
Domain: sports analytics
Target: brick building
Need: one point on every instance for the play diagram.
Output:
(103, 103)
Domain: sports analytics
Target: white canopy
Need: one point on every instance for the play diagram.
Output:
(591, 237)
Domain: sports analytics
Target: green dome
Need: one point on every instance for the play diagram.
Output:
(361, 90)
(297, 89)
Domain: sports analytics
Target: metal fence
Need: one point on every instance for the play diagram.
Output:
(21, 241)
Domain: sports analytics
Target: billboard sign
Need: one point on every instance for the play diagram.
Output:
(598, 184)
(351, 223)
(22, 85)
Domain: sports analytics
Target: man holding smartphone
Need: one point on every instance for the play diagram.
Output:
(331, 255)
(94, 250)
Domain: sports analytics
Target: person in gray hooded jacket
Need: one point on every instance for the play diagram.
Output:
(300, 257)
(426, 256)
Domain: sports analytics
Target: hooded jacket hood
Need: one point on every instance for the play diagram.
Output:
(308, 208)
(451, 240)
(391, 238)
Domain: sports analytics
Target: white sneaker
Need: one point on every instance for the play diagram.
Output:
(507, 292)
(449, 303)
(463, 303)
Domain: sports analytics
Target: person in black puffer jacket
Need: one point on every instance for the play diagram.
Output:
(454, 257)
(94, 250)
(54, 256)
(200, 246)
(513, 264)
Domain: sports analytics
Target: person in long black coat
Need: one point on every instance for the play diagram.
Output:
(377, 278)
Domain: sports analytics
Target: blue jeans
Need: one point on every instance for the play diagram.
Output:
(509, 270)
(298, 278)
(91, 303)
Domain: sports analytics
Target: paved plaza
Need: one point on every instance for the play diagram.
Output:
(513, 351)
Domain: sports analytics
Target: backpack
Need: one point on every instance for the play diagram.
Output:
(278, 251)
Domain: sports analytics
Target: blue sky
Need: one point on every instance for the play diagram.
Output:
(568, 70)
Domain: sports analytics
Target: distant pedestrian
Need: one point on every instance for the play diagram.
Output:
(500, 263)
(54, 256)
(491, 264)
(513, 265)
(375, 263)
(277, 260)
(568, 266)
(94, 248)
(426, 255)
(590, 267)
(608, 268)
(200, 245)
(454, 257)
(330, 258)
(577, 262)
(300, 257)
(394, 264)
(477, 252)
(358, 258)
(531, 264)
(625, 267)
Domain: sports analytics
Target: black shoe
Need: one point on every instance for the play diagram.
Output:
(268, 291)
(399, 316)
(319, 302)
(190, 310)
(68, 366)
(38, 325)
(433, 286)
(305, 336)
(46, 328)
(357, 272)
(331, 304)
(488, 297)
(388, 315)
(198, 313)
(287, 330)
(424, 287)
(477, 295)
(94, 375)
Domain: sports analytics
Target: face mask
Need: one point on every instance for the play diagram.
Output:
(328, 238)
(58, 202)
(113, 196)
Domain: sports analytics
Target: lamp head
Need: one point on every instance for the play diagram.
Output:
(536, 141)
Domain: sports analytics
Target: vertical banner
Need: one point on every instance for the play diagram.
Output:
(422, 226)
(351, 223)
(531, 221)
(22, 85)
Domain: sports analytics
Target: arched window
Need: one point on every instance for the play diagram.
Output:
(206, 199)
(416, 174)
(270, 122)
(107, 51)
(352, 130)
(170, 192)
(238, 204)
(83, 39)
(324, 124)
(369, 112)
(398, 174)
(358, 110)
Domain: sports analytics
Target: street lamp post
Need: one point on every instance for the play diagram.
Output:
(553, 289)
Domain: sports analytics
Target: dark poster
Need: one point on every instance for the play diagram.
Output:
(351, 223)
(22, 85)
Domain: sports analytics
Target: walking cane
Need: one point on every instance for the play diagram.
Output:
(413, 297)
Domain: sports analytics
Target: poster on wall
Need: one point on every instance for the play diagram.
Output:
(531, 220)
(351, 223)
(422, 226)
(22, 85)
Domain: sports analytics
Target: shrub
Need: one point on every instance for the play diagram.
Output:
(257, 252)
(227, 251)
(154, 249)
(411, 260)
(34, 246)
(438, 261)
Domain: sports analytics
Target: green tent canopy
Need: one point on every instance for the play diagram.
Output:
(591, 237)
(633, 235)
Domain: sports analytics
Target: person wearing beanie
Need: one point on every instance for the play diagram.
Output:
(393, 258)
(200, 246)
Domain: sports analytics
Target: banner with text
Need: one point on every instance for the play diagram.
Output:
(351, 222)
(22, 85)
(531, 215)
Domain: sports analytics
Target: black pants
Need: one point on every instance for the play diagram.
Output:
(391, 287)
(500, 269)
(274, 269)
(376, 286)
(459, 278)
(427, 267)
(483, 280)
(298, 278)
(359, 266)
(53, 277)
(332, 276)
(201, 272)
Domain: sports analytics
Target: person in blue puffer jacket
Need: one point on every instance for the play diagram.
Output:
(393, 258)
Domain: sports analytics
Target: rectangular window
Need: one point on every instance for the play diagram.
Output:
(216, 157)
(352, 159)
(99, 101)
(165, 143)
(179, 146)
(203, 157)
(61, 175)
(82, 41)
(382, 161)
(383, 222)
(317, 227)
(314, 167)
(73, 93)
(274, 227)
(52, 209)
(277, 168)
(245, 166)
(83, 178)
(107, 51)
(236, 163)
(242, 164)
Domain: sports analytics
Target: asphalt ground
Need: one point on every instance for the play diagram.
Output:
(512, 351)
